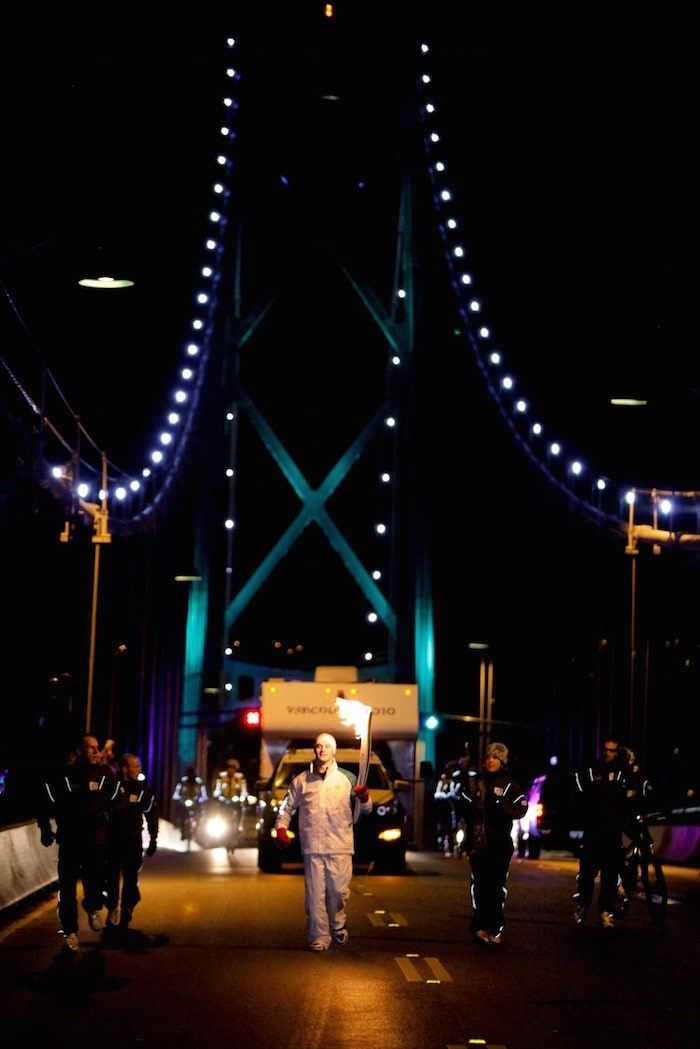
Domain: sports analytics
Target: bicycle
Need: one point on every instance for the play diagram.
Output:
(642, 873)
(189, 822)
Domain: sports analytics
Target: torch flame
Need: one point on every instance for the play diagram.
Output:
(354, 714)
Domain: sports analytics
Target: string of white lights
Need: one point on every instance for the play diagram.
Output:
(596, 496)
(132, 499)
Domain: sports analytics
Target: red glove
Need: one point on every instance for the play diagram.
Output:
(361, 793)
(283, 839)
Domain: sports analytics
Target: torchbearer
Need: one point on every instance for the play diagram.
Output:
(324, 795)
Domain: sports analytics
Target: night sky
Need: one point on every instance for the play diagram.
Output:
(576, 175)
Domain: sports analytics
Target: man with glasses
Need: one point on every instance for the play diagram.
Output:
(602, 792)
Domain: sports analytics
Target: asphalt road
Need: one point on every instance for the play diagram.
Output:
(218, 957)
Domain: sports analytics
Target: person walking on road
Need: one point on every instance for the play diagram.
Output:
(493, 799)
(602, 793)
(79, 800)
(134, 804)
(324, 795)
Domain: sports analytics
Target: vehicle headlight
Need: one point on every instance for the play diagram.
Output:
(216, 827)
(390, 834)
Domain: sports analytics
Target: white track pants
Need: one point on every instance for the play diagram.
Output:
(326, 891)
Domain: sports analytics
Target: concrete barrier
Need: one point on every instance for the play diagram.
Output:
(25, 865)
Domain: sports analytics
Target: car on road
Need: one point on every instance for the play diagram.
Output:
(380, 836)
(550, 821)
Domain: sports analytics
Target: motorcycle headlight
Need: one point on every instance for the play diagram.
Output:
(215, 827)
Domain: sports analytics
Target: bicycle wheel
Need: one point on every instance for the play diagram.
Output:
(622, 898)
(655, 890)
(628, 881)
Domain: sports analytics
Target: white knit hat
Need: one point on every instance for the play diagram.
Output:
(326, 737)
(498, 750)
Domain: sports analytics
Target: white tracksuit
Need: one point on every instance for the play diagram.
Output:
(325, 804)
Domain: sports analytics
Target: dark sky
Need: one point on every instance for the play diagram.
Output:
(575, 172)
(576, 175)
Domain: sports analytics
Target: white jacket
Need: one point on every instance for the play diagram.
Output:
(325, 805)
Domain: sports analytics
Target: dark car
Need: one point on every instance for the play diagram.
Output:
(380, 836)
(550, 821)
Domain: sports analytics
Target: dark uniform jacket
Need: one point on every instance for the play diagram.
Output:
(79, 799)
(493, 800)
(602, 799)
(134, 802)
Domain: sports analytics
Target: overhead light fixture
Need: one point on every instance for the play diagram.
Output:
(105, 283)
(628, 402)
(190, 576)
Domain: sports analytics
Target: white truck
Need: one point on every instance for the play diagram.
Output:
(292, 715)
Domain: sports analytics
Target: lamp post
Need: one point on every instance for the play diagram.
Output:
(117, 652)
(485, 696)
(100, 535)
(99, 515)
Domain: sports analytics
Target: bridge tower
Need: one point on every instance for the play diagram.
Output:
(312, 532)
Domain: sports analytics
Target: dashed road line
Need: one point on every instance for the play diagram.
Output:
(387, 919)
(413, 967)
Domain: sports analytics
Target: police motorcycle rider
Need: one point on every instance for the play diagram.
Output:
(190, 795)
(225, 814)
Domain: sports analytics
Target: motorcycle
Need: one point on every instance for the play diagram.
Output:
(219, 826)
(189, 821)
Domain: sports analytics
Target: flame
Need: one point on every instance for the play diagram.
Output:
(354, 714)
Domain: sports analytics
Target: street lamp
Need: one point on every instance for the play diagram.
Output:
(103, 278)
(105, 283)
(98, 512)
(118, 651)
(485, 696)
(100, 535)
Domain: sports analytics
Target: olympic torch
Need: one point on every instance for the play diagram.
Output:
(358, 716)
